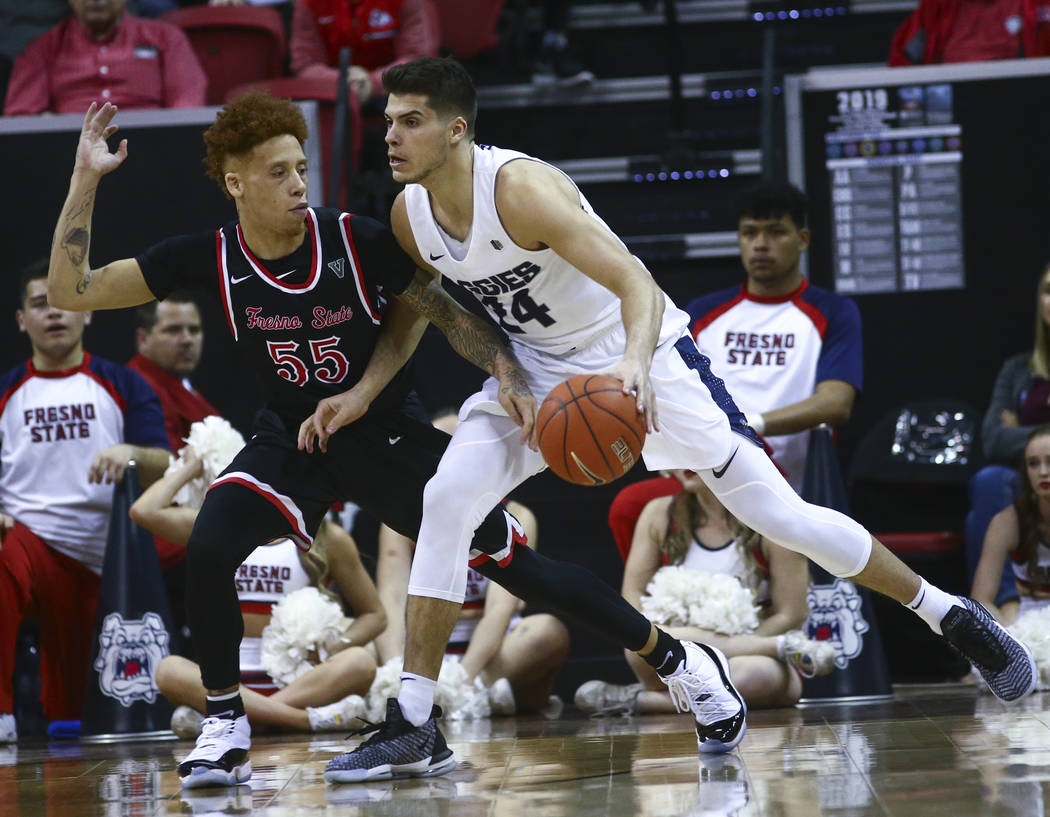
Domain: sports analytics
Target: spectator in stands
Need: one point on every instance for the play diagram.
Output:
(380, 33)
(790, 352)
(1020, 402)
(693, 530)
(327, 695)
(69, 425)
(105, 54)
(1016, 540)
(972, 30)
(170, 337)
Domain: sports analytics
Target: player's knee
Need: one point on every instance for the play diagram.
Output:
(549, 638)
(168, 673)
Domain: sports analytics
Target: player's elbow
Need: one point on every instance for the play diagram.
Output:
(58, 296)
(838, 414)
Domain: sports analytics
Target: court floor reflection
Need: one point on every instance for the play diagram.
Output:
(932, 750)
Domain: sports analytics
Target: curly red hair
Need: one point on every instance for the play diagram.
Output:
(247, 120)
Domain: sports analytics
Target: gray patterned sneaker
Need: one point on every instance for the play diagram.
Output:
(397, 749)
(1006, 664)
(701, 685)
(220, 757)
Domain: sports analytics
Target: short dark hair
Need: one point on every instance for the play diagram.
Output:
(33, 272)
(773, 200)
(443, 81)
(146, 315)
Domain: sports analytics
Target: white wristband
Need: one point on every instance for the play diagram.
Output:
(757, 423)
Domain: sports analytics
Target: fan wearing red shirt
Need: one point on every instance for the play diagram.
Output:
(103, 54)
(971, 31)
(170, 338)
(381, 33)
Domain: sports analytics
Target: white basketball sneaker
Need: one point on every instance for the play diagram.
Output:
(220, 757)
(701, 685)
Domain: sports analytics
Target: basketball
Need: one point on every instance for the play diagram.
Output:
(589, 431)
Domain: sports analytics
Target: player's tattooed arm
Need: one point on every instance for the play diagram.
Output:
(480, 343)
(71, 283)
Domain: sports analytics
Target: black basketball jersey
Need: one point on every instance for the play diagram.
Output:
(307, 322)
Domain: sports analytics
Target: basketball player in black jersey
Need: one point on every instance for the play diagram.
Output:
(303, 293)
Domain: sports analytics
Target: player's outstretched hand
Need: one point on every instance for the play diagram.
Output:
(331, 414)
(109, 464)
(517, 400)
(93, 155)
(636, 383)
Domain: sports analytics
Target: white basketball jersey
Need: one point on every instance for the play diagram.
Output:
(536, 296)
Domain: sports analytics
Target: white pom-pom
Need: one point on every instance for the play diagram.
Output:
(681, 597)
(301, 623)
(216, 442)
(458, 698)
(1033, 628)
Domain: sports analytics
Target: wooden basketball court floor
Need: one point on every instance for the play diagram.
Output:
(932, 750)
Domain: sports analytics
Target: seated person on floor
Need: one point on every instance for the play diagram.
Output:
(1017, 537)
(768, 655)
(327, 696)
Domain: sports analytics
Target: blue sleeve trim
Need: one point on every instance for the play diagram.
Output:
(143, 415)
(842, 352)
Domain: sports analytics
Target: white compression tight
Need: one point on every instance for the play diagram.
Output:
(757, 494)
(481, 465)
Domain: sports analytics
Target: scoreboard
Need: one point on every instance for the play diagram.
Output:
(898, 162)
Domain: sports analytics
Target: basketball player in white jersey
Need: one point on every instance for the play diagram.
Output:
(518, 234)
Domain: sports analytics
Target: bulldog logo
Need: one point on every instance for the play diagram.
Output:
(128, 654)
(834, 615)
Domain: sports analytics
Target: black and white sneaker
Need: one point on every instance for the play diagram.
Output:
(220, 757)
(1006, 664)
(397, 749)
(701, 685)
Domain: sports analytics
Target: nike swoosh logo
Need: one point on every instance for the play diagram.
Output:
(393, 440)
(242, 278)
(436, 257)
(284, 274)
(719, 473)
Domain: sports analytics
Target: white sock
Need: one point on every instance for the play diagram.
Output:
(931, 604)
(416, 697)
(780, 647)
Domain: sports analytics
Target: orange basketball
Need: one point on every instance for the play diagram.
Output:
(589, 431)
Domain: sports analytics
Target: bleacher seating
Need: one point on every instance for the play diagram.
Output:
(235, 44)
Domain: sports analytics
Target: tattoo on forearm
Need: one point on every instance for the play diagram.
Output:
(78, 208)
(76, 235)
(75, 243)
(470, 336)
(82, 284)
